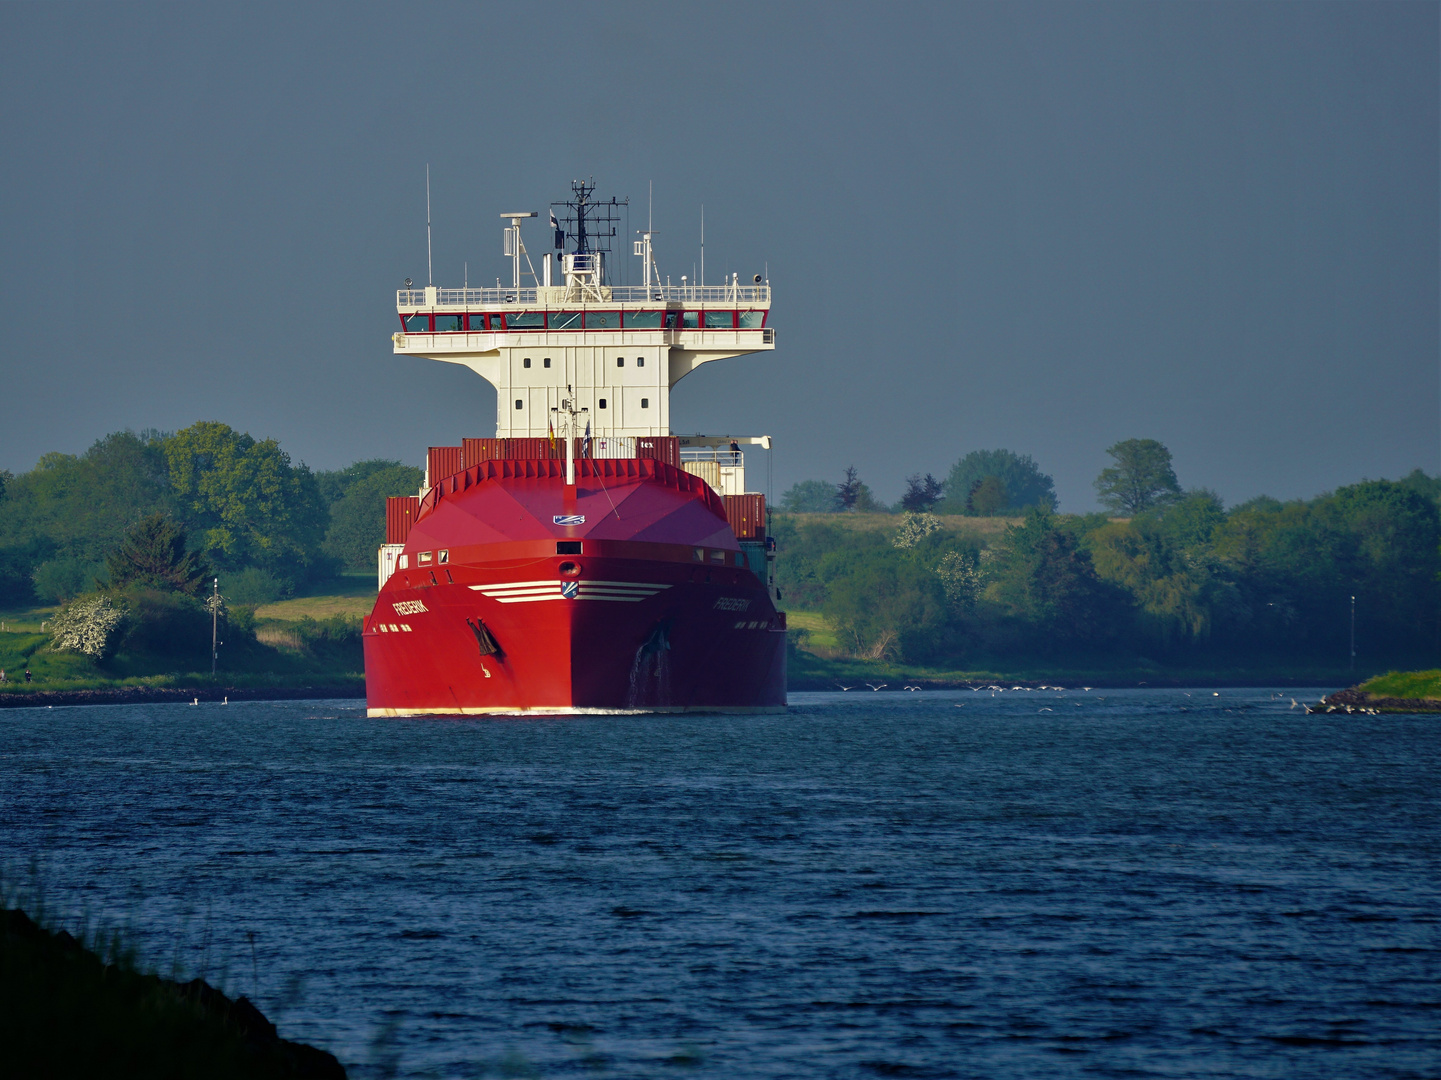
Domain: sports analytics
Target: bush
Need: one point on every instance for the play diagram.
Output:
(60, 580)
(254, 586)
(90, 625)
(167, 624)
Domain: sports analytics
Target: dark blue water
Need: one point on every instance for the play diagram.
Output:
(875, 884)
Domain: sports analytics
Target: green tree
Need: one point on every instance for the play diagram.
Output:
(155, 555)
(1041, 576)
(987, 497)
(880, 602)
(809, 497)
(250, 506)
(357, 518)
(922, 493)
(1142, 477)
(1020, 477)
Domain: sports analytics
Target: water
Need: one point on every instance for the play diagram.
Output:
(1132, 884)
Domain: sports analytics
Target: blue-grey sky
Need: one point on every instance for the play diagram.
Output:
(1045, 227)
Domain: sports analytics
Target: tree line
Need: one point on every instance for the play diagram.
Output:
(988, 483)
(1168, 576)
(244, 509)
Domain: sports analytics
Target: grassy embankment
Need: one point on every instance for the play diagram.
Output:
(88, 1008)
(310, 640)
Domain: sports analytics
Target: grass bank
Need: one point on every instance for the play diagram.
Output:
(72, 1008)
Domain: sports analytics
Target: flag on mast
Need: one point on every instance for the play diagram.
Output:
(585, 446)
(551, 424)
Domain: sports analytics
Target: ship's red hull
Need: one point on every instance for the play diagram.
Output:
(655, 612)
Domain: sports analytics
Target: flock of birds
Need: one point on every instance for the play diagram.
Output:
(993, 689)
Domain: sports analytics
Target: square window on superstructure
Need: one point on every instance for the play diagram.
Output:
(565, 320)
(417, 324)
(443, 555)
(519, 404)
(718, 556)
(645, 403)
(719, 320)
(545, 362)
(752, 320)
(525, 362)
(602, 403)
(423, 558)
(640, 361)
(447, 324)
(699, 554)
(690, 320)
(620, 361)
(643, 320)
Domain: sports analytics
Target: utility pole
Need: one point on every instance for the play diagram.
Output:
(215, 623)
(1353, 633)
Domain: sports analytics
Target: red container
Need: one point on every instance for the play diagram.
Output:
(747, 515)
(443, 461)
(659, 448)
(400, 512)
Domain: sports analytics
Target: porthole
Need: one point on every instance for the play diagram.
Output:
(569, 569)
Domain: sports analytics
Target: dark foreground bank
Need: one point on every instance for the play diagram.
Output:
(66, 1013)
(145, 695)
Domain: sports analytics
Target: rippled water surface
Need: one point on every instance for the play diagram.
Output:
(875, 884)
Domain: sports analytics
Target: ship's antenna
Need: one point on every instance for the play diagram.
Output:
(702, 242)
(650, 209)
(429, 270)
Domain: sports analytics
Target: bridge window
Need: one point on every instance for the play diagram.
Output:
(643, 320)
(497, 321)
(519, 404)
(602, 403)
(525, 320)
(752, 320)
(645, 403)
(476, 323)
(602, 320)
(718, 319)
(447, 324)
(690, 320)
(417, 324)
(525, 362)
(672, 319)
(565, 320)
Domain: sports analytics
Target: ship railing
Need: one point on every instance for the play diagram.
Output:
(722, 457)
(612, 294)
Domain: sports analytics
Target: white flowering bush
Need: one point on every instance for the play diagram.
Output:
(89, 625)
(960, 578)
(915, 528)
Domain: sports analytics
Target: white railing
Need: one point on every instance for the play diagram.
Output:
(726, 458)
(556, 297)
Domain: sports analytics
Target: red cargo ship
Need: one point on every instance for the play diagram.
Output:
(585, 559)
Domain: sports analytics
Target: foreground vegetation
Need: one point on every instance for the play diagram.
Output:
(73, 1008)
(1409, 685)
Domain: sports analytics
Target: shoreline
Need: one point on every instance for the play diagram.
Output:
(147, 695)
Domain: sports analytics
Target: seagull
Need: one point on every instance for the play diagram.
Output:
(1086, 688)
(1045, 710)
(843, 687)
(226, 701)
(195, 702)
(913, 688)
(873, 686)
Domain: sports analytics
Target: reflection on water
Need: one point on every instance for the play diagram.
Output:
(873, 884)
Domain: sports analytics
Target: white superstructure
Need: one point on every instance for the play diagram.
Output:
(619, 349)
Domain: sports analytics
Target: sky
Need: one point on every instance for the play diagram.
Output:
(1038, 227)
